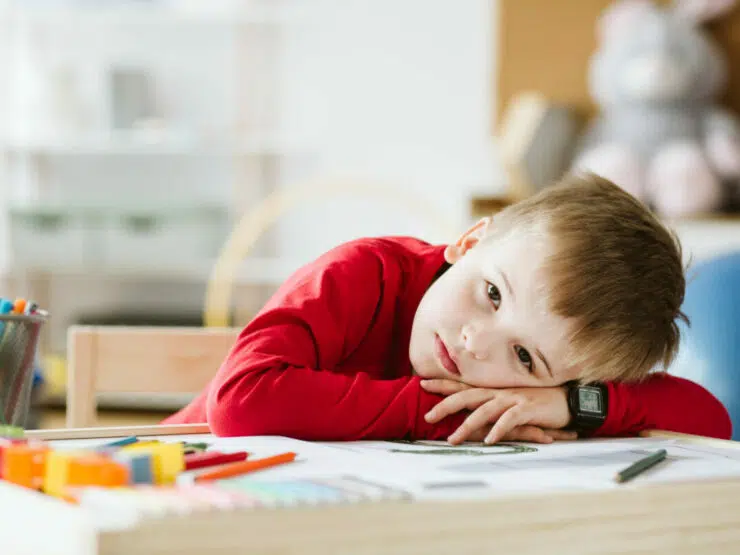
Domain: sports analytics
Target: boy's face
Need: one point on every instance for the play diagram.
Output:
(485, 321)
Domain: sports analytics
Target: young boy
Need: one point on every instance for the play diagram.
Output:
(538, 325)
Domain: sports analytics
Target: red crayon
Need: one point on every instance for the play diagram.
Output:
(212, 458)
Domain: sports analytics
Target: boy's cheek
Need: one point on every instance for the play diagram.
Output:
(424, 365)
(427, 371)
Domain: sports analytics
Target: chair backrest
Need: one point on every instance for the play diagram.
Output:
(121, 359)
(259, 218)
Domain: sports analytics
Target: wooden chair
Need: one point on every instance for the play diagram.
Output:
(120, 359)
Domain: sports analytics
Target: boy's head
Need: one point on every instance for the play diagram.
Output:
(580, 281)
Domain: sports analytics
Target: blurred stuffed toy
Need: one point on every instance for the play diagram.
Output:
(660, 134)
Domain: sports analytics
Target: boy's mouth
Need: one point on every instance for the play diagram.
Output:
(444, 356)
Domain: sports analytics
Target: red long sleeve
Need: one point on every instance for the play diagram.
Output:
(665, 402)
(319, 362)
(327, 359)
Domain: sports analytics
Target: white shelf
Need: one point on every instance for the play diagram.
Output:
(122, 143)
(253, 271)
(159, 14)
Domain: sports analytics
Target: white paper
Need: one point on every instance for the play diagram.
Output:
(437, 470)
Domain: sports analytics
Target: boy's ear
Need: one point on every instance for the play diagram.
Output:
(467, 241)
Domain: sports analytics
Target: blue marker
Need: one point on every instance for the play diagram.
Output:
(6, 307)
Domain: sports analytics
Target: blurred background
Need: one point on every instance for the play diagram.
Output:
(137, 133)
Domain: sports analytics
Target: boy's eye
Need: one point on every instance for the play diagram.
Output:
(494, 294)
(524, 357)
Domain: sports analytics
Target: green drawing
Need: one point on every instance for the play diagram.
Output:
(498, 449)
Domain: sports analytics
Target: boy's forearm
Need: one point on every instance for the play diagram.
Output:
(664, 402)
(320, 405)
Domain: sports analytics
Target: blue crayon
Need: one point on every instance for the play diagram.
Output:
(121, 442)
(139, 466)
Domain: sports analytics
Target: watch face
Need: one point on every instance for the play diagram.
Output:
(589, 400)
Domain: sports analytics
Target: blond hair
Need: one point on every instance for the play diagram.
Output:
(616, 271)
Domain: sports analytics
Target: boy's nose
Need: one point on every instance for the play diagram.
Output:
(475, 342)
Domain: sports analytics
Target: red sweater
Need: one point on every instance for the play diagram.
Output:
(327, 359)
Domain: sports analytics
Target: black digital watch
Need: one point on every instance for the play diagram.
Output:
(588, 406)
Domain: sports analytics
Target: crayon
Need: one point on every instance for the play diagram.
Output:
(67, 469)
(25, 464)
(212, 458)
(121, 442)
(243, 467)
(167, 459)
(6, 442)
(140, 466)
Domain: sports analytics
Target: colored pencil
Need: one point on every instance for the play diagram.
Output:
(212, 458)
(121, 442)
(641, 466)
(243, 467)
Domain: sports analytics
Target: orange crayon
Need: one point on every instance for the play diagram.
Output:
(24, 464)
(66, 469)
(243, 467)
(96, 470)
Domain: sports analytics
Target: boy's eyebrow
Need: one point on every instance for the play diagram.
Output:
(542, 357)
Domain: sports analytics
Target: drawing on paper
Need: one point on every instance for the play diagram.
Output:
(422, 447)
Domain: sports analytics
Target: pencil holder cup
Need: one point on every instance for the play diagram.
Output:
(19, 334)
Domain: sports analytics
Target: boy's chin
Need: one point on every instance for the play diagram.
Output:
(424, 371)
(432, 373)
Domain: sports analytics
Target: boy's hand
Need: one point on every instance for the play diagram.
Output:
(511, 411)
(532, 434)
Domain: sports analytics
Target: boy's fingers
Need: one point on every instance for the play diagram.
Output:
(562, 435)
(483, 415)
(533, 434)
(443, 387)
(469, 399)
(507, 422)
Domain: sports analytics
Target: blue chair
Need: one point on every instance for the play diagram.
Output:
(710, 347)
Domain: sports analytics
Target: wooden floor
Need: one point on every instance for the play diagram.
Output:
(54, 418)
